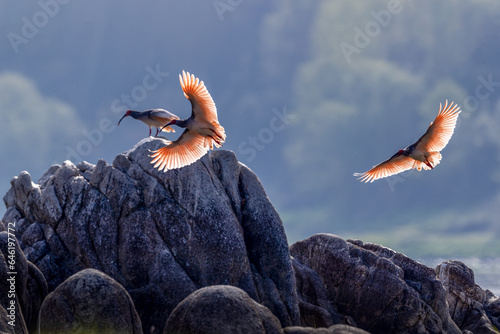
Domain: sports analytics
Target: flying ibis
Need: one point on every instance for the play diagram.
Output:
(202, 129)
(424, 153)
(157, 118)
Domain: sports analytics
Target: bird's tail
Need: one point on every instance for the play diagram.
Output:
(432, 160)
(219, 136)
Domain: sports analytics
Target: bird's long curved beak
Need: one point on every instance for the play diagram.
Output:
(169, 123)
(122, 118)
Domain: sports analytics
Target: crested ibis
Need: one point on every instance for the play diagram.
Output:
(157, 118)
(424, 153)
(202, 129)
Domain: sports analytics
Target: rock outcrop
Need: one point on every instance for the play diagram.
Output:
(160, 235)
(221, 309)
(382, 291)
(201, 249)
(468, 303)
(89, 302)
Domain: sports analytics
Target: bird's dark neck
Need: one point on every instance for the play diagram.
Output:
(182, 122)
(409, 149)
(136, 114)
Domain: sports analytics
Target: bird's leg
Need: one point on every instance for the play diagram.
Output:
(428, 163)
(217, 140)
(157, 130)
(149, 131)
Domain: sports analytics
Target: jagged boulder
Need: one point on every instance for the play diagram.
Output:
(221, 309)
(160, 235)
(89, 302)
(468, 303)
(374, 287)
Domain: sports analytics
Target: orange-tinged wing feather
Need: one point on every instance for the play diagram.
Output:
(440, 131)
(188, 148)
(392, 166)
(195, 91)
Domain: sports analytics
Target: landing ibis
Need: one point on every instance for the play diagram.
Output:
(202, 129)
(157, 118)
(424, 153)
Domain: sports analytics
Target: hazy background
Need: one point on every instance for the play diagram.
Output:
(309, 92)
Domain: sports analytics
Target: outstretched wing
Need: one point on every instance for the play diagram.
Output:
(202, 104)
(440, 131)
(396, 164)
(188, 148)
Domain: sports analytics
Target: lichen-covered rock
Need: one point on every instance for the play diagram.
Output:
(160, 235)
(22, 285)
(221, 309)
(466, 300)
(380, 290)
(89, 302)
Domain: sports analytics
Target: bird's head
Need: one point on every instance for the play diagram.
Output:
(128, 113)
